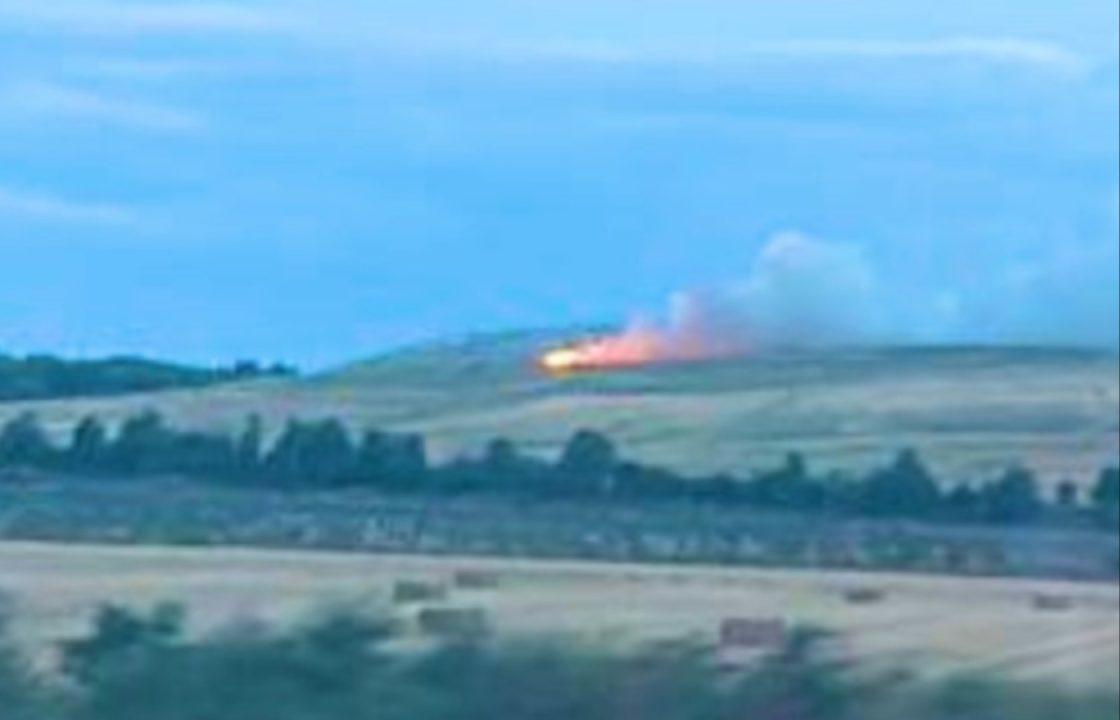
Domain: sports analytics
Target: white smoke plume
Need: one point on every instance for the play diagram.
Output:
(799, 291)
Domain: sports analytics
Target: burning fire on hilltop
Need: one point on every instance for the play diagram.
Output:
(626, 349)
(635, 346)
(799, 292)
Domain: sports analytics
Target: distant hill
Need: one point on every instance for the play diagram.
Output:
(970, 410)
(42, 377)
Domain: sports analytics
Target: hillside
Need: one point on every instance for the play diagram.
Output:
(970, 410)
(41, 377)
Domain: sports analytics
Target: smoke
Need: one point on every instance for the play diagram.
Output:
(799, 291)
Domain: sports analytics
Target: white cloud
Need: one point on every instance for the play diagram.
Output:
(982, 49)
(988, 50)
(133, 17)
(801, 289)
(35, 206)
(51, 99)
(143, 69)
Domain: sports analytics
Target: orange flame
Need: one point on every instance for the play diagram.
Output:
(636, 346)
(631, 348)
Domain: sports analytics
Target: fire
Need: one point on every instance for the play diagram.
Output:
(636, 346)
(695, 331)
(629, 349)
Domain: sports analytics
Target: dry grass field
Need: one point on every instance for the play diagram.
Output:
(971, 411)
(936, 624)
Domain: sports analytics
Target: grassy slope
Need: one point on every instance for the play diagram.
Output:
(971, 410)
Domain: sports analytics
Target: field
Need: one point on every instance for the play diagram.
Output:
(940, 624)
(971, 411)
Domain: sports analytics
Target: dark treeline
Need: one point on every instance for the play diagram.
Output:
(132, 666)
(323, 454)
(38, 377)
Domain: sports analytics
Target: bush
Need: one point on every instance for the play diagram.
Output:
(454, 623)
(341, 666)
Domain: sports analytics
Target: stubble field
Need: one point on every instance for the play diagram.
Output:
(937, 625)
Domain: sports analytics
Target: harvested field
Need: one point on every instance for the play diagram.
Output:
(942, 624)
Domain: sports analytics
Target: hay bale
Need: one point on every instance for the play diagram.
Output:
(418, 591)
(865, 595)
(454, 623)
(753, 633)
(476, 579)
(745, 641)
(1051, 602)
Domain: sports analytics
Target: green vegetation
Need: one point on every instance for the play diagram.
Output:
(322, 455)
(38, 377)
(342, 666)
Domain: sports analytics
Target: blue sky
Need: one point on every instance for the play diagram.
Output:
(319, 181)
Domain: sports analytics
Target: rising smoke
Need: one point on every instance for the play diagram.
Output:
(805, 292)
(799, 292)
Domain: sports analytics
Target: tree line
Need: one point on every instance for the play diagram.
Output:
(37, 377)
(323, 454)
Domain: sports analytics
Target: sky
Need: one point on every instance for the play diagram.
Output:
(318, 182)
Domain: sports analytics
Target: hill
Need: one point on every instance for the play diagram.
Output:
(38, 377)
(969, 410)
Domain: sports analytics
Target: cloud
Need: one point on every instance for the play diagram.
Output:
(52, 99)
(134, 18)
(806, 290)
(53, 209)
(980, 49)
(987, 50)
(802, 291)
(144, 69)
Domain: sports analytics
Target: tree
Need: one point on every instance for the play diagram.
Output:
(790, 487)
(143, 445)
(1106, 496)
(371, 461)
(645, 482)
(502, 466)
(1014, 498)
(89, 446)
(332, 454)
(587, 463)
(24, 443)
(406, 466)
(202, 455)
(394, 462)
(1068, 494)
(246, 369)
(319, 454)
(248, 452)
(963, 503)
(903, 489)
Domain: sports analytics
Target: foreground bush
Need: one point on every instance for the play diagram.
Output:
(344, 667)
